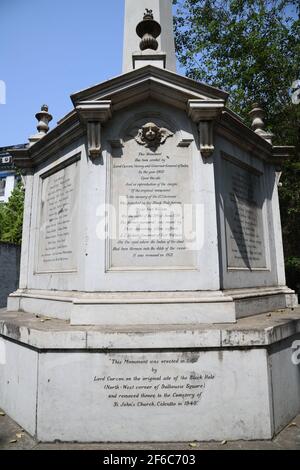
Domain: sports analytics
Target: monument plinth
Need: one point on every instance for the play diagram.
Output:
(151, 235)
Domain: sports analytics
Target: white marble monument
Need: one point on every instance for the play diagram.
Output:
(151, 260)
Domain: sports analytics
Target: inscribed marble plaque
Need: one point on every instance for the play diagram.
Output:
(243, 200)
(152, 207)
(57, 250)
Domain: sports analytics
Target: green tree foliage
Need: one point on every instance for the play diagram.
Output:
(11, 216)
(251, 48)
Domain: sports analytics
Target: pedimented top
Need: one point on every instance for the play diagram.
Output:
(153, 81)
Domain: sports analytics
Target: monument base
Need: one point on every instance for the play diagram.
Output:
(146, 308)
(150, 383)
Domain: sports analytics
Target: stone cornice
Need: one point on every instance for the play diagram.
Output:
(236, 131)
(280, 153)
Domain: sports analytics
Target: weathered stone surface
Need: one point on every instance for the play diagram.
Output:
(44, 332)
(164, 395)
(192, 377)
(9, 270)
(288, 439)
(245, 235)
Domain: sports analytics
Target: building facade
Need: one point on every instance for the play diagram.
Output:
(8, 175)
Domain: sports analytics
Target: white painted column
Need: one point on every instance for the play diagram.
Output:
(134, 12)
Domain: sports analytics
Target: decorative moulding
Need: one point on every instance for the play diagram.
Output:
(204, 110)
(93, 114)
(280, 153)
(116, 143)
(205, 113)
(283, 151)
(140, 59)
(185, 142)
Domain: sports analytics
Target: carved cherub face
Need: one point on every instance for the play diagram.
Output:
(151, 135)
(150, 132)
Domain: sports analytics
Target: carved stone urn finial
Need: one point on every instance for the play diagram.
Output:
(257, 115)
(148, 30)
(43, 118)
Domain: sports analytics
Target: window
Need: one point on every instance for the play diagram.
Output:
(2, 186)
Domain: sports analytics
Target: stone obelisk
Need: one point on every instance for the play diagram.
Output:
(162, 12)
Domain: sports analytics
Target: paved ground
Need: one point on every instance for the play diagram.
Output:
(12, 437)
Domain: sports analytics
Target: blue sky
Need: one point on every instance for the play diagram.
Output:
(51, 49)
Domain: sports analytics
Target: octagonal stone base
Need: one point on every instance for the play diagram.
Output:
(150, 383)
